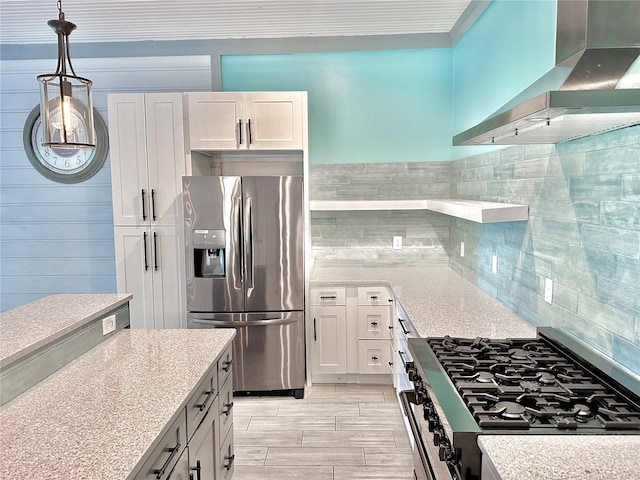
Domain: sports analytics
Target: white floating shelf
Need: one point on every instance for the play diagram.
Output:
(480, 212)
(474, 210)
(368, 205)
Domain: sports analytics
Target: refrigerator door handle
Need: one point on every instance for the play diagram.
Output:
(251, 323)
(248, 239)
(237, 228)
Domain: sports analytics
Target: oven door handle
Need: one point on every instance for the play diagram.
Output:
(407, 397)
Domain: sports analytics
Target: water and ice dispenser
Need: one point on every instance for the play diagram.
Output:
(209, 253)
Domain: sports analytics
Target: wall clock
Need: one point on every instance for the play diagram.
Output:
(64, 165)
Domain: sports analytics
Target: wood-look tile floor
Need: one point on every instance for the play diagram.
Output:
(337, 432)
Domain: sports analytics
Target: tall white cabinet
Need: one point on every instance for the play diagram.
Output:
(148, 160)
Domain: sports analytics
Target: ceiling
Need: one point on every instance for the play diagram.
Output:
(25, 21)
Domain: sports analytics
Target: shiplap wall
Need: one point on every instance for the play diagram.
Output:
(57, 238)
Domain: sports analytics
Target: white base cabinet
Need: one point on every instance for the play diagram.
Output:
(351, 335)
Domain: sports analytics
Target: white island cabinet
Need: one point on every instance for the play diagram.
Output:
(146, 137)
(228, 121)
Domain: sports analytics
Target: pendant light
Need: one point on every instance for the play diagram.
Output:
(66, 109)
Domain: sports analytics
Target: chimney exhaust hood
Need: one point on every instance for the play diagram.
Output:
(594, 87)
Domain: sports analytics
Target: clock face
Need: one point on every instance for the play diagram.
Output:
(61, 164)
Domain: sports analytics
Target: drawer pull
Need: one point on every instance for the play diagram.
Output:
(226, 366)
(227, 410)
(374, 298)
(390, 327)
(373, 324)
(404, 330)
(174, 452)
(391, 364)
(197, 469)
(374, 358)
(227, 466)
(202, 405)
(328, 297)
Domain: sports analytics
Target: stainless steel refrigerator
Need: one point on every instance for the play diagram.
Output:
(244, 240)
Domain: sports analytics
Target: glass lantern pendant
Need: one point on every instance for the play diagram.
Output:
(66, 110)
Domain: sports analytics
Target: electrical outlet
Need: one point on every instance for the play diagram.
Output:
(494, 264)
(462, 249)
(108, 324)
(548, 290)
(397, 242)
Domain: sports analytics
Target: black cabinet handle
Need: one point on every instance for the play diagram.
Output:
(202, 405)
(197, 469)
(315, 333)
(144, 212)
(174, 452)
(390, 327)
(374, 358)
(155, 251)
(327, 297)
(144, 241)
(390, 300)
(373, 324)
(240, 130)
(373, 298)
(153, 204)
(249, 127)
(231, 459)
(227, 410)
(391, 364)
(227, 365)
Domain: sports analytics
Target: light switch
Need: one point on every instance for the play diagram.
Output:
(397, 242)
(494, 264)
(548, 290)
(462, 249)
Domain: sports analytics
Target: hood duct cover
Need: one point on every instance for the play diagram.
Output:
(594, 87)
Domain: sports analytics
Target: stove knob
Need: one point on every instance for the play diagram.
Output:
(438, 436)
(444, 452)
(433, 423)
(409, 366)
(427, 411)
(413, 375)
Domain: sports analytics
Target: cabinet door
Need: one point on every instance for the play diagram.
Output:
(225, 413)
(134, 272)
(226, 458)
(166, 454)
(128, 154)
(274, 120)
(204, 446)
(329, 340)
(216, 121)
(169, 296)
(165, 157)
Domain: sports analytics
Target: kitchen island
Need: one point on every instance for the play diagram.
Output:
(438, 302)
(100, 416)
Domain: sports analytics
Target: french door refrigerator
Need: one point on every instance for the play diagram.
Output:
(244, 239)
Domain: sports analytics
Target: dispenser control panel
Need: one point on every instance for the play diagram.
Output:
(208, 238)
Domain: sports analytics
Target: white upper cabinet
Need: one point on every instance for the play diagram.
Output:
(230, 121)
(147, 158)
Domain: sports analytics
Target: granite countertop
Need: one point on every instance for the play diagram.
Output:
(96, 417)
(563, 457)
(438, 300)
(29, 327)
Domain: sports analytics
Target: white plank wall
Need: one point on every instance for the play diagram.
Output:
(57, 238)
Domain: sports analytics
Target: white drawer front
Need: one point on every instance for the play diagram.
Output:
(375, 295)
(374, 356)
(374, 322)
(328, 295)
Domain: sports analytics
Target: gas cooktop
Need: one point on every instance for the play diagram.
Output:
(529, 383)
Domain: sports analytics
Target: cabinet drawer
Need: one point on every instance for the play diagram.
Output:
(166, 454)
(374, 322)
(201, 400)
(375, 295)
(374, 356)
(328, 295)
(225, 365)
(225, 408)
(226, 458)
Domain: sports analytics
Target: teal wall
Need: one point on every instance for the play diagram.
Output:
(508, 48)
(367, 106)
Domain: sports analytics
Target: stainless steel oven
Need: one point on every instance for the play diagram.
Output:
(466, 387)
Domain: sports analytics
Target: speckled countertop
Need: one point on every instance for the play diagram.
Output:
(27, 328)
(563, 457)
(96, 417)
(439, 301)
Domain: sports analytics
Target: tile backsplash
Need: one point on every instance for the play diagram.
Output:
(364, 238)
(583, 232)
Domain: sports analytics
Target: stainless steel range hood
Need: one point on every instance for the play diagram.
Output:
(594, 87)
